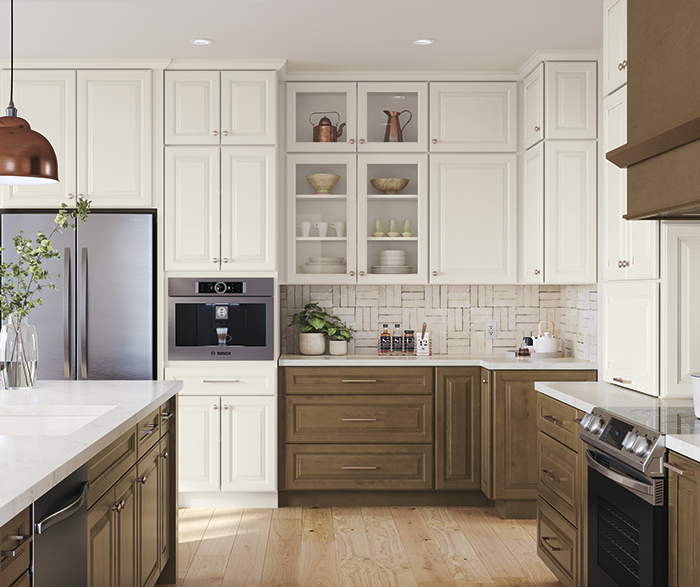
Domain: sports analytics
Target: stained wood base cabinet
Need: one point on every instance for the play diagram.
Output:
(683, 521)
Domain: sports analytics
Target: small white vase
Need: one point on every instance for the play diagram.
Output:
(312, 343)
(338, 347)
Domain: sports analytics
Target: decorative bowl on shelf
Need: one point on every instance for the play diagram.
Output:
(323, 268)
(323, 183)
(326, 260)
(389, 185)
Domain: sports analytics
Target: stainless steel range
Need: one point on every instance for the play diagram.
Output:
(627, 482)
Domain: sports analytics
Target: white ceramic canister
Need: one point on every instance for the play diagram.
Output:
(695, 380)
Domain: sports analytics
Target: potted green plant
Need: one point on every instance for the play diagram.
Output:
(312, 323)
(339, 334)
(21, 283)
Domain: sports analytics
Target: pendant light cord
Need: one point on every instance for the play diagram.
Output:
(11, 110)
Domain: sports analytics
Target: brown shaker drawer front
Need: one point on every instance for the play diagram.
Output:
(15, 539)
(359, 380)
(557, 544)
(320, 418)
(557, 420)
(557, 466)
(107, 467)
(359, 466)
(148, 432)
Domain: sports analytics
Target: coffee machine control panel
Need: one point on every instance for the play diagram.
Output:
(221, 287)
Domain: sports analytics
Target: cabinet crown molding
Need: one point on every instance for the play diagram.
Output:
(573, 55)
(86, 63)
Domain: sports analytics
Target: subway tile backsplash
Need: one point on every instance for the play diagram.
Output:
(456, 314)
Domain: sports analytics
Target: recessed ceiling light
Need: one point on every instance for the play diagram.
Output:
(423, 41)
(201, 41)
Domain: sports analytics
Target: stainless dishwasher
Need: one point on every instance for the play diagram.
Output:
(60, 533)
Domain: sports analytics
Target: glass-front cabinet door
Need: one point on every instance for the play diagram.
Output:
(321, 229)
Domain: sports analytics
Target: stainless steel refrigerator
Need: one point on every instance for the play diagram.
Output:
(100, 322)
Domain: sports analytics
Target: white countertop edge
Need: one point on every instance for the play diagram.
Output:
(687, 445)
(35, 476)
(493, 362)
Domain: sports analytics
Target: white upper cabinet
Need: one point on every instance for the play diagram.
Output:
(630, 249)
(473, 218)
(531, 217)
(47, 100)
(614, 45)
(570, 211)
(228, 107)
(630, 323)
(473, 117)
(571, 100)
(533, 110)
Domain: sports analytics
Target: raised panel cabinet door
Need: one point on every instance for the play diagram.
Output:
(458, 428)
(101, 543)
(474, 116)
(192, 108)
(248, 107)
(680, 315)
(199, 450)
(531, 217)
(115, 137)
(486, 434)
(249, 443)
(47, 100)
(166, 462)
(125, 520)
(630, 321)
(193, 209)
(473, 218)
(683, 522)
(571, 100)
(533, 109)
(570, 211)
(248, 209)
(614, 45)
(148, 531)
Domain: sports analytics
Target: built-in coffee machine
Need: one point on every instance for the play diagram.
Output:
(220, 319)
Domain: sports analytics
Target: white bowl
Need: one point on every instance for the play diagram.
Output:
(332, 260)
(323, 268)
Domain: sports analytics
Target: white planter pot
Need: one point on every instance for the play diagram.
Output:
(338, 347)
(312, 343)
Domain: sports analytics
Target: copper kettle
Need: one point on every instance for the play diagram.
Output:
(394, 130)
(325, 131)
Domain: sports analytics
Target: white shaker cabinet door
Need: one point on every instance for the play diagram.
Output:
(614, 45)
(533, 110)
(192, 202)
(249, 441)
(570, 211)
(192, 108)
(531, 218)
(631, 335)
(248, 107)
(115, 145)
(572, 100)
(473, 218)
(46, 99)
(474, 117)
(680, 312)
(248, 208)
(199, 431)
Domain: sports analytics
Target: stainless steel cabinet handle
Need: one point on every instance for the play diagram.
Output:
(151, 429)
(683, 472)
(553, 420)
(220, 381)
(621, 380)
(143, 480)
(547, 474)
(66, 312)
(545, 541)
(578, 420)
(66, 512)
(167, 415)
(358, 380)
(84, 313)
(358, 468)
(23, 542)
(358, 420)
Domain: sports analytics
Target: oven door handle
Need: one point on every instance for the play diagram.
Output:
(618, 478)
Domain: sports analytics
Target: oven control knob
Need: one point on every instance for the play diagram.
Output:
(220, 287)
(597, 425)
(586, 421)
(629, 440)
(641, 446)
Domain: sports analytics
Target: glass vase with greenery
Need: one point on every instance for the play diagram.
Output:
(21, 284)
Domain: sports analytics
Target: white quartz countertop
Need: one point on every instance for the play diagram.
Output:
(30, 465)
(495, 362)
(587, 395)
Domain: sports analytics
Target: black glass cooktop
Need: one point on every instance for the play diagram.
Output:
(665, 419)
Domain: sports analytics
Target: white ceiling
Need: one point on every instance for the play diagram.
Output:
(335, 35)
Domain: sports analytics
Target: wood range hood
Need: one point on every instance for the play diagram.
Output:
(662, 154)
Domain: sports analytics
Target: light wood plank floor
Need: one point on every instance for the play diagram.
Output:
(358, 547)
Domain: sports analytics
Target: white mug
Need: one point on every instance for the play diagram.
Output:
(339, 228)
(322, 228)
(304, 228)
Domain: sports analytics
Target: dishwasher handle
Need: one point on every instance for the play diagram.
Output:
(62, 514)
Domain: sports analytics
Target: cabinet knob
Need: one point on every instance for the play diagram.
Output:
(434, 141)
(625, 263)
(225, 133)
(214, 260)
(352, 273)
(165, 455)
(537, 129)
(537, 271)
(214, 133)
(224, 260)
(362, 273)
(71, 196)
(362, 141)
(143, 480)
(118, 507)
(484, 381)
(225, 406)
(434, 273)
(351, 141)
(80, 196)
(619, 264)
(215, 406)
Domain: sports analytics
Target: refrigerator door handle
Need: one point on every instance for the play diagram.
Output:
(66, 313)
(83, 317)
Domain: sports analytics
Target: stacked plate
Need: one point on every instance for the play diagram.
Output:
(322, 265)
(393, 261)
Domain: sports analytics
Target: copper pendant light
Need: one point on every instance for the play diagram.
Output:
(26, 157)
